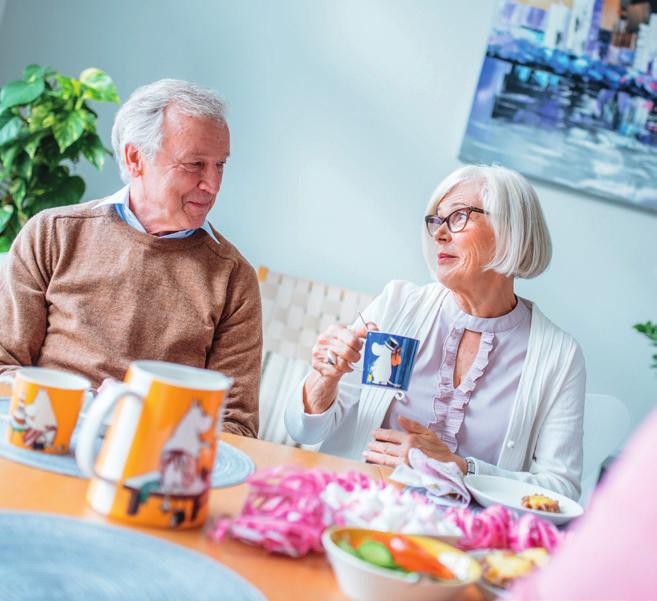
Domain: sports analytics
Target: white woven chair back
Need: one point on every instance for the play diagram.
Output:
(294, 312)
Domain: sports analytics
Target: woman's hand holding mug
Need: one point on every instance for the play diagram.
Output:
(333, 354)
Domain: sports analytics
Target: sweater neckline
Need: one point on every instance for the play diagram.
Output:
(166, 244)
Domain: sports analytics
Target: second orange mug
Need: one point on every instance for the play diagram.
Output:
(155, 465)
(44, 408)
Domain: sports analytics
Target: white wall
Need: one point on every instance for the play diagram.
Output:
(344, 116)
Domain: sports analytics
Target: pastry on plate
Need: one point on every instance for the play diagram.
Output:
(540, 503)
(503, 567)
(537, 556)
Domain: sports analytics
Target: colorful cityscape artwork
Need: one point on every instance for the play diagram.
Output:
(568, 94)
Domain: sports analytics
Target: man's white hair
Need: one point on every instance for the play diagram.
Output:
(139, 120)
(522, 241)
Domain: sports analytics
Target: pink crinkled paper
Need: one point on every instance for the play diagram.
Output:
(287, 509)
(284, 512)
(496, 528)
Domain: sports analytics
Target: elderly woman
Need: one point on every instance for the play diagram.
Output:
(496, 387)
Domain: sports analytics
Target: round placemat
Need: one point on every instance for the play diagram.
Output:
(51, 558)
(231, 467)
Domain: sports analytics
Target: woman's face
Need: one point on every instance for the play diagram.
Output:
(461, 256)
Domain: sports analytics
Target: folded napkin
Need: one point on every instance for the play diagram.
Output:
(441, 482)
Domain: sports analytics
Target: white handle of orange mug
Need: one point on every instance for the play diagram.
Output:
(6, 379)
(85, 454)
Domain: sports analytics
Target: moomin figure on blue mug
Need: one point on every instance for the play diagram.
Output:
(388, 360)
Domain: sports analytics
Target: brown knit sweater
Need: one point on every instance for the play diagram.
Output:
(83, 291)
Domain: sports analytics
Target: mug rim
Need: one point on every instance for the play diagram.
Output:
(162, 371)
(391, 334)
(30, 375)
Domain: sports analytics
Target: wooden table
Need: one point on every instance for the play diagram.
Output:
(278, 577)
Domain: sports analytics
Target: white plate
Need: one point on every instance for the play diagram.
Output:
(489, 490)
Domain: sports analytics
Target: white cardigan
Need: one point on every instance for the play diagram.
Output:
(543, 440)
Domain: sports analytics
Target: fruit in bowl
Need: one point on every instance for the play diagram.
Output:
(383, 566)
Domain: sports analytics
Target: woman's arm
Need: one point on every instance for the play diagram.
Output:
(313, 428)
(318, 406)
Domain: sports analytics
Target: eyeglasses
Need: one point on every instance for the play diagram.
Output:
(456, 220)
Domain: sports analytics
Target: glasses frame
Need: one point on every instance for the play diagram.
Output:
(435, 220)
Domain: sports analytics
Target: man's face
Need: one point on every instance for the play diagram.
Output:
(179, 186)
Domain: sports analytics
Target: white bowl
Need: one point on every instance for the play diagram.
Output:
(362, 581)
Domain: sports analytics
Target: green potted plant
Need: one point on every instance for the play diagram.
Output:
(46, 124)
(650, 330)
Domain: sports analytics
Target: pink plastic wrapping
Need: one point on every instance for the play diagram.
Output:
(284, 512)
(496, 528)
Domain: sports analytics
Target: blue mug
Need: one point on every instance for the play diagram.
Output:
(388, 360)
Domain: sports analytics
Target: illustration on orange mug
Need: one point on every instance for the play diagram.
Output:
(36, 421)
(155, 464)
(184, 473)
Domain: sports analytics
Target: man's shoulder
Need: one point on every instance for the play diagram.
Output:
(224, 248)
(84, 210)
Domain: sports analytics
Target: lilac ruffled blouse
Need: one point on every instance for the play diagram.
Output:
(472, 418)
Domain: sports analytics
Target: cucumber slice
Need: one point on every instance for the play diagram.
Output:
(376, 553)
(343, 543)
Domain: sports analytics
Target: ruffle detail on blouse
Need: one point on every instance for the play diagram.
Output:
(449, 404)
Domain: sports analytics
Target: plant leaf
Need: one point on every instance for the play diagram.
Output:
(89, 118)
(45, 112)
(68, 87)
(648, 328)
(8, 155)
(5, 242)
(34, 72)
(97, 85)
(20, 92)
(23, 166)
(94, 151)
(11, 130)
(5, 118)
(65, 191)
(32, 143)
(5, 215)
(17, 188)
(68, 130)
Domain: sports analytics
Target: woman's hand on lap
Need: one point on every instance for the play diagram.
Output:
(391, 447)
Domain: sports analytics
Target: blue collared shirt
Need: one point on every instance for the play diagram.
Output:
(120, 200)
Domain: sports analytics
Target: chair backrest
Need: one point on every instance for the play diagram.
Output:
(294, 312)
(606, 424)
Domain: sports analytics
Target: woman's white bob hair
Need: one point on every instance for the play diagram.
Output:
(139, 120)
(522, 241)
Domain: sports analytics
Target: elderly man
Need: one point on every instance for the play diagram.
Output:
(141, 274)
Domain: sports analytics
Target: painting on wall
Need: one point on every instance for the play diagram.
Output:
(568, 94)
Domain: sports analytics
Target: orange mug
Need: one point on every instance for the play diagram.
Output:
(155, 464)
(45, 404)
